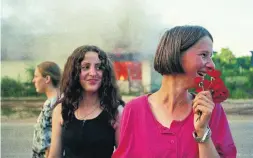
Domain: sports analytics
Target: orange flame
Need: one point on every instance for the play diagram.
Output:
(122, 78)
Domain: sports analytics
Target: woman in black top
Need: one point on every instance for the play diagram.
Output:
(86, 122)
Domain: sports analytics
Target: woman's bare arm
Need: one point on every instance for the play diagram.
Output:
(55, 148)
(117, 125)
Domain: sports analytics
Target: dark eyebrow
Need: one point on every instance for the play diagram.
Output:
(204, 51)
(85, 63)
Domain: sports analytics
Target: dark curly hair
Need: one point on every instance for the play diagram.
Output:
(71, 89)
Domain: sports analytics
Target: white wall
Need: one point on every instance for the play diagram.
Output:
(17, 69)
(146, 75)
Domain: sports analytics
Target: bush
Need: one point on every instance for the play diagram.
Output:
(239, 94)
(15, 88)
(11, 87)
(29, 89)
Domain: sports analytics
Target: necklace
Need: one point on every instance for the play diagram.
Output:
(84, 117)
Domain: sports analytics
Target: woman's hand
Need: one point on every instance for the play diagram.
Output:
(204, 105)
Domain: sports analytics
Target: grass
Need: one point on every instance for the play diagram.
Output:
(20, 112)
(7, 111)
(41, 98)
(25, 108)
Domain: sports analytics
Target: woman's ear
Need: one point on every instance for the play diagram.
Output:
(48, 79)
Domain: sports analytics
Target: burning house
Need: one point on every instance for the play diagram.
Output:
(134, 72)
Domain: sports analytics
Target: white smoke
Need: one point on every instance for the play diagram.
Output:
(32, 29)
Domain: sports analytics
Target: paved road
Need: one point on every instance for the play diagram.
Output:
(17, 138)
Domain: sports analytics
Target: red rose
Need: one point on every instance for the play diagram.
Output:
(201, 84)
(216, 86)
(214, 73)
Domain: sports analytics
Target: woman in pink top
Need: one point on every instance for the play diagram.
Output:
(165, 124)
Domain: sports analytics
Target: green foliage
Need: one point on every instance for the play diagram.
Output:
(20, 112)
(239, 94)
(14, 88)
(30, 73)
(244, 62)
(226, 56)
(11, 87)
(29, 86)
(237, 73)
(7, 111)
(29, 89)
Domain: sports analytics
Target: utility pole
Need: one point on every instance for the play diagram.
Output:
(251, 63)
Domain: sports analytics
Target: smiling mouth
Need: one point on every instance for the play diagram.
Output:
(201, 74)
(92, 80)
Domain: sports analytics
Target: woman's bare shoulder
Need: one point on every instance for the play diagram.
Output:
(57, 113)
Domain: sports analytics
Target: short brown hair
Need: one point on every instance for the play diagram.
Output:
(49, 68)
(173, 44)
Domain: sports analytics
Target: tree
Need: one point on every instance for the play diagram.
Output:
(226, 56)
(244, 62)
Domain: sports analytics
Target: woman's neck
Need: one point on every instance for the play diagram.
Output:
(52, 92)
(173, 93)
(90, 99)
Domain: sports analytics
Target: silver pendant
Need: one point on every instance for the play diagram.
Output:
(84, 122)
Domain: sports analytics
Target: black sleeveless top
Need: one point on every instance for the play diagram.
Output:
(93, 138)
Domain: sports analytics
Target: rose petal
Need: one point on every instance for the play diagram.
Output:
(198, 79)
(206, 84)
(214, 73)
(198, 90)
(217, 87)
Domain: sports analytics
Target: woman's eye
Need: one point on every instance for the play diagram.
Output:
(99, 67)
(203, 55)
(96, 67)
(85, 67)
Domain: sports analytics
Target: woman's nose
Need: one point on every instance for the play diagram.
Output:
(92, 71)
(210, 64)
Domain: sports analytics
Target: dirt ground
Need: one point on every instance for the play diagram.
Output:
(28, 109)
(19, 116)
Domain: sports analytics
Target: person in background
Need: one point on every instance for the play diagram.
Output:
(165, 123)
(86, 121)
(46, 80)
